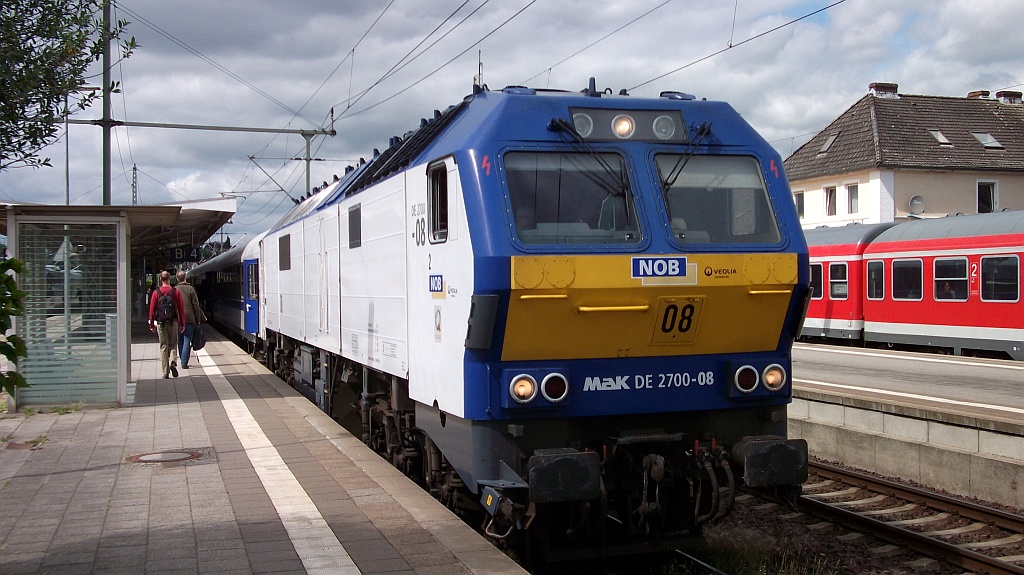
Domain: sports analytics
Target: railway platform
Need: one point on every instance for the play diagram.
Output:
(944, 422)
(223, 470)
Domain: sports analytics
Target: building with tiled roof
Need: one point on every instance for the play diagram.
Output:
(892, 156)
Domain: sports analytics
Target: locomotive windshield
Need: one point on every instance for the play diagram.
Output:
(716, 199)
(571, 198)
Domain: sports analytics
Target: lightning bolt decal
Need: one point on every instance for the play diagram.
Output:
(485, 165)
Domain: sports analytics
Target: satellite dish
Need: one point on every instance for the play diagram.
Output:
(916, 205)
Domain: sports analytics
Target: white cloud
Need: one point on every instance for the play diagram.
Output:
(788, 84)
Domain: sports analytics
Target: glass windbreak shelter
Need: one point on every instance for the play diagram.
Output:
(75, 335)
(78, 261)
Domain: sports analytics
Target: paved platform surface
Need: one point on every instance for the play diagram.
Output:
(274, 485)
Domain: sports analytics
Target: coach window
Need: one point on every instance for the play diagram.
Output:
(1000, 278)
(950, 279)
(838, 288)
(876, 280)
(438, 176)
(816, 286)
(907, 280)
(254, 281)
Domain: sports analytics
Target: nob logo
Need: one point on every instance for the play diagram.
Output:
(646, 267)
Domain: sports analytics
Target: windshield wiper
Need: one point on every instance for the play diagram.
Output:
(703, 130)
(619, 177)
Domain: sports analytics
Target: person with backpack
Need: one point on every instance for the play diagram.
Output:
(167, 319)
(193, 317)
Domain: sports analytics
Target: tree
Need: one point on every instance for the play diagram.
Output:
(11, 304)
(46, 46)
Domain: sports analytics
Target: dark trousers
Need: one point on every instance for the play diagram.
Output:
(185, 338)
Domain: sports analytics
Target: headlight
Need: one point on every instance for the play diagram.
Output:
(623, 126)
(745, 379)
(774, 377)
(554, 388)
(583, 123)
(523, 388)
(664, 127)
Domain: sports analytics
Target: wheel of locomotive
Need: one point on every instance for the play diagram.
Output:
(378, 432)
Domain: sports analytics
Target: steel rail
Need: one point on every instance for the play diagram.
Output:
(975, 511)
(926, 545)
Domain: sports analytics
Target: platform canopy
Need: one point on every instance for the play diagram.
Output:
(154, 228)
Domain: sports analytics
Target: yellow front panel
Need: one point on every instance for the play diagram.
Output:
(575, 307)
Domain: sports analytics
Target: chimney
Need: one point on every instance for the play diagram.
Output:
(1009, 97)
(884, 89)
(978, 94)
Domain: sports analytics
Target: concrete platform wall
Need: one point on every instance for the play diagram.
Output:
(962, 456)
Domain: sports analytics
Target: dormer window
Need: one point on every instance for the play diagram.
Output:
(940, 138)
(828, 143)
(987, 140)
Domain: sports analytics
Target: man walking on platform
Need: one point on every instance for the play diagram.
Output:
(167, 319)
(193, 315)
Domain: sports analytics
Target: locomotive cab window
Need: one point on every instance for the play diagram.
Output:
(437, 174)
(716, 199)
(876, 280)
(907, 280)
(571, 198)
(816, 286)
(838, 286)
(1000, 278)
(950, 279)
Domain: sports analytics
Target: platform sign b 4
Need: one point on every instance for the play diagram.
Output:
(185, 254)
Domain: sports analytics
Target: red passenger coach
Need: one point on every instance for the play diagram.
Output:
(951, 283)
(836, 310)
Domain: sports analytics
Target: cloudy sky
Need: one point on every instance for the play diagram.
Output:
(384, 64)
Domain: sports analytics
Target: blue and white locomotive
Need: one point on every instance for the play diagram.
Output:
(573, 310)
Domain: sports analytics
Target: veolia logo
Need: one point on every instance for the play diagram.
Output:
(721, 272)
(659, 267)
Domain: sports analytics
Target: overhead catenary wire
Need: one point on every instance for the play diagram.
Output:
(446, 64)
(406, 60)
(351, 52)
(731, 45)
(213, 63)
(594, 43)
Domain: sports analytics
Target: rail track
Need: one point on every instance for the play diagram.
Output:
(974, 537)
